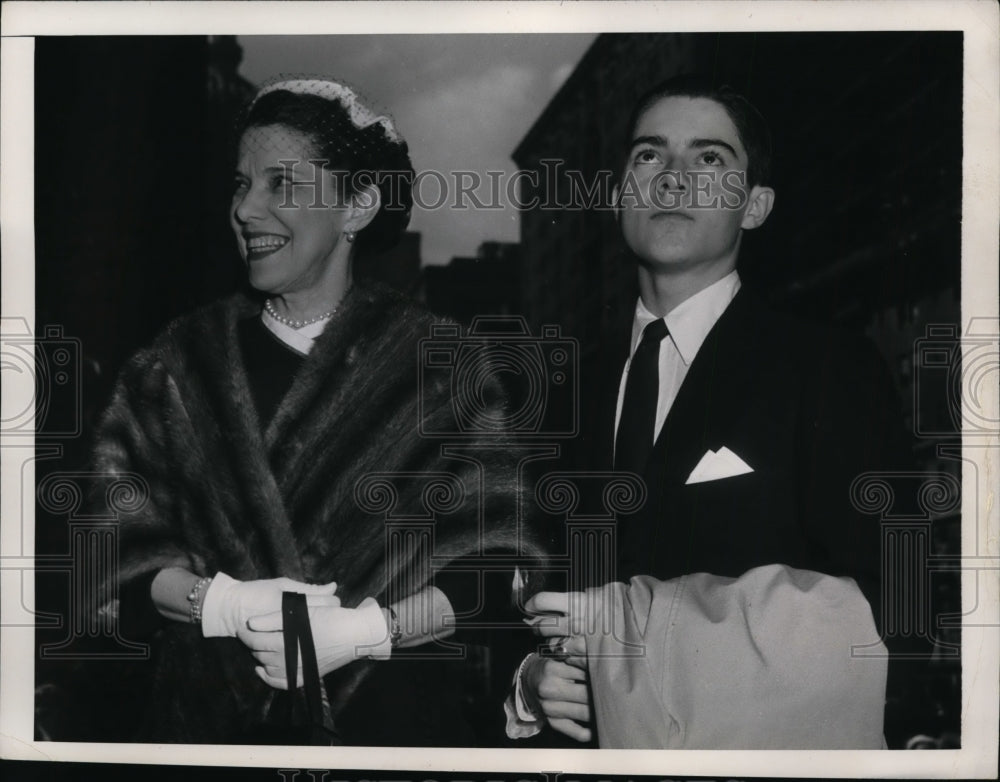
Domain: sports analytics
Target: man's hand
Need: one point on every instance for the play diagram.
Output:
(559, 691)
(555, 685)
(570, 649)
(555, 614)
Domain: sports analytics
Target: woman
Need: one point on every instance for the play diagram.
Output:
(277, 436)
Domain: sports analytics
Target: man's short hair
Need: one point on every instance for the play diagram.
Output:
(750, 124)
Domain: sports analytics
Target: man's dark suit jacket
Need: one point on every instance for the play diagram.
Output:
(806, 408)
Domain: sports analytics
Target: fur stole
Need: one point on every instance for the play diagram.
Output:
(309, 497)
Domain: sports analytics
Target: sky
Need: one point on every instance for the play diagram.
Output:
(462, 102)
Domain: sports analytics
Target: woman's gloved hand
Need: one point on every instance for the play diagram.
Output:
(340, 635)
(229, 603)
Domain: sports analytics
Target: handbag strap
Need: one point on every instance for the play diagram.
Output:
(298, 635)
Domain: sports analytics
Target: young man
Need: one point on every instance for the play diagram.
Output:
(747, 575)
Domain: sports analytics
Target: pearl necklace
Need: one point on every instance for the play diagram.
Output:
(296, 324)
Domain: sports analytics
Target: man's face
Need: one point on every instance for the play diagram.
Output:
(683, 197)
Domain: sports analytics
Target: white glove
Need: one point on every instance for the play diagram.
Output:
(340, 635)
(230, 603)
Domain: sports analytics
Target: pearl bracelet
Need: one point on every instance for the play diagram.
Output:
(193, 596)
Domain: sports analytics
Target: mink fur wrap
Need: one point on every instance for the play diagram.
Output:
(225, 495)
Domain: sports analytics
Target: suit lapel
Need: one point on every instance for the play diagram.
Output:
(710, 397)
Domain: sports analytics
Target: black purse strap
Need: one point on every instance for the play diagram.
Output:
(298, 635)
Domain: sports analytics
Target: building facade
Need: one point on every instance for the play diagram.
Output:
(485, 285)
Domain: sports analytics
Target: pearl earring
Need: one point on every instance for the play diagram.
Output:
(349, 236)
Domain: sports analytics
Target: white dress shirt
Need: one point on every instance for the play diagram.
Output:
(688, 324)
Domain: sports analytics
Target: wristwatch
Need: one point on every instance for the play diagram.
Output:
(395, 630)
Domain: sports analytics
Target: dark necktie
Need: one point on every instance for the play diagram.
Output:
(642, 389)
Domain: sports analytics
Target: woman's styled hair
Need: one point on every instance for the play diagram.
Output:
(750, 125)
(361, 148)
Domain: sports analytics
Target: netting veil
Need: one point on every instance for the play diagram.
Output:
(357, 108)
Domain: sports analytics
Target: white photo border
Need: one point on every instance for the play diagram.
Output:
(22, 21)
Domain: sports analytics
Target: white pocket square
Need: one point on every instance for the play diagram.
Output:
(715, 465)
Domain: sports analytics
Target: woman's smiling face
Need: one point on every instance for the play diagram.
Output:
(286, 213)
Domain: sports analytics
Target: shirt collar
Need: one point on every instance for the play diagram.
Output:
(691, 320)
